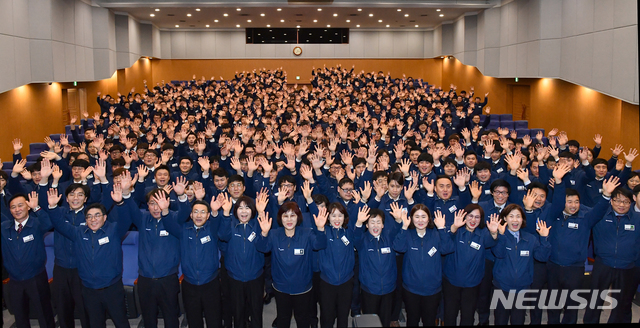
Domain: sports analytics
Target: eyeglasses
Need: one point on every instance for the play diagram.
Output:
(204, 212)
(621, 201)
(347, 190)
(500, 192)
(96, 216)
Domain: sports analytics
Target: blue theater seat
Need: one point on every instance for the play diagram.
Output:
(507, 124)
(130, 272)
(533, 132)
(48, 247)
(32, 157)
(521, 125)
(37, 147)
(522, 132)
(506, 117)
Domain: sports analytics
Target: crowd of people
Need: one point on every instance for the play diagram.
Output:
(362, 193)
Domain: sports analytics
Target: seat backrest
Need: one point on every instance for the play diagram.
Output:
(506, 117)
(507, 124)
(521, 125)
(48, 248)
(130, 258)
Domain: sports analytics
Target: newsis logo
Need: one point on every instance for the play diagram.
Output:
(525, 299)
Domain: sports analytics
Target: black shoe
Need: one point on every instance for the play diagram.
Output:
(267, 298)
(355, 313)
(274, 323)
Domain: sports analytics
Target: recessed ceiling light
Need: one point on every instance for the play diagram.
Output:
(379, 20)
(207, 25)
(328, 25)
(279, 9)
(225, 14)
(197, 9)
(262, 15)
(335, 15)
(348, 21)
(248, 21)
(177, 25)
(319, 9)
(370, 15)
(152, 15)
(188, 15)
(315, 20)
(238, 25)
(358, 25)
(359, 9)
(268, 25)
(216, 21)
(282, 21)
(238, 9)
(157, 9)
(416, 25)
(441, 15)
(437, 9)
(399, 9)
(406, 15)
(387, 25)
(298, 26)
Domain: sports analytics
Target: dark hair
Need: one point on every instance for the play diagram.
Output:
(201, 202)
(422, 207)
(636, 190)
(599, 161)
(538, 185)
(500, 183)
(358, 160)
(220, 172)
(440, 177)
(99, 206)
(425, 157)
(287, 178)
(80, 163)
(572, 192)
(320, 199)
(149, 196)
(510, 208)
(481, 166)
(472, 207)
(247, 201)
(235, 178)
(187, 158)
(72, 187)
(118, 162)
(18, 195)
(397, 177)
(340, 208)
(162, 167)
(624, 192)
(289, 206)
(373, 212)
(344, 181)
(4, 175)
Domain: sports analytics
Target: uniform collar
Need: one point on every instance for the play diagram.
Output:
(24, 223)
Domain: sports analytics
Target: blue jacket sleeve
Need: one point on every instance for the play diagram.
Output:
(65, 228)
(401, 242)
(541, 249)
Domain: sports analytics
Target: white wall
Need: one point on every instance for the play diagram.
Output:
(232, 44)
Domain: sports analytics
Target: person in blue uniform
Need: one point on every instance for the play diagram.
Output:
(243, 260)
(291, 247)
(515, 251)
(24, 257)
(99, 248)
(423, 248)
(464, 269)
(377, 267)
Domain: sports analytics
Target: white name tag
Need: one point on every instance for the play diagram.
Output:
(27, 238)
(475, 245)
(298, 251)
(385, 250)
(521, 188)
(252, 236)
(524, 253)
(414, 248)
(205, 240)
(499, 170)
(452, 209)
(174, 165)
(432, 251)
(573, 182)
(487, 192)
(629, 227)
(103, 241)
(164, 233)
(345, 240)
(600, 190)
(83, 223)
(573, 225)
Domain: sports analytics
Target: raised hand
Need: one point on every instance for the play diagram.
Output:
(633, 153)
(306, 191)
(396, 211)
(265, 223)
(163, 201)
(609, 185)
(180, 185)
(116, 193)
(227, 204)
(528, 199)
(459, 179)
(476, 190)
(262, 199)
(493, 224)
(52, 197)
(142, 172)
(617, 150)
(409, 191)
(18, 167)
(216, 202)
(366, 192)
(198, 190)
(560, 171)
(363, 215)
(429, 185)
(439, 220)
(542, 229)
(320, 219)
(460, 219)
